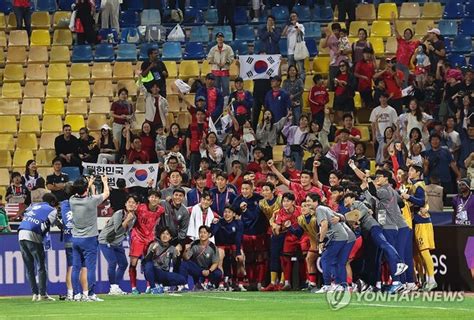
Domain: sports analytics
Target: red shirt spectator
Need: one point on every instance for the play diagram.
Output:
(367, 69)
(134, 155)
(318, 98)
(405, 49)
(391, 85)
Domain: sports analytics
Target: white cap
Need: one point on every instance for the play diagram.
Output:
(435, 31)
(105, 127)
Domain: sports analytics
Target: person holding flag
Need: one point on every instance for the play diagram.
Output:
(241, 101)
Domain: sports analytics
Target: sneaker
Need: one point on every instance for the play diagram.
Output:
(84, 298)
(286, 287)
(183, 289)
(254, 20)
(324, 289)
(77, 297)
(35, 297)
(269, 288)
(221, 287)
(395, 288)
(45, 298)
(429, 286)
(401, 268)
(148, 290)
(95, 298)
(157, 290)
(69, 298)
(410, 287)
(135, 292)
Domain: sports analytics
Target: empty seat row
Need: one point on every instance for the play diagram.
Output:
(19, 38)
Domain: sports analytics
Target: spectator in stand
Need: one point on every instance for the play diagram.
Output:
(212, 97)
(294, 32)
(331, 41)
(156, 106)
(406, 47)
(344, 84)
(31, 175)
(39, 191)
(348, 124)
(267, 133)
(468, 82)
(22, 11)
(212, 151)
(381, 118)
(318, 98)
(133, 147)
(277, 100)
(241, 101)
(269, 36)
(452, 92)
(463, 207)
(154, 71)
(110, 12)
(260, 89)
(413, 118)
(294, 86)
(196, 133)
(220, 58)
(17, 192)
(342, 151)
(237, 150)
(56, 182)
(88, 148)
(225, 12)
(360, 46)
(108, 146)
(121, 111)
(364, 72)
(175, 136)
(434, 194)
(66, 146)
(393, 78)
(4, 225)
(467, 143)
(84, 25)
(359, 158)
(296, 138)
(147, 137)
(435, 47)
(345, 7)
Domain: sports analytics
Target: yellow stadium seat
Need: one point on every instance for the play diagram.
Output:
(51, 123)
(170, 118)
(101, 71)
(381, 29)
(54, 106)
(357, 100)
(44, 157)
(5, 161)
(410, 11)
(140, 118)
(40, 38)
(2, 58)
(3, 39)
(76, 121)
(80, 71)
(96, 121)
(321, 65)
(11, 21)
(9, 107)
(174, 105)
(36, 72)
(77, 106)
(31, 106)
(29, 123)
(308, 83)
(38, 54)
(422, 26)
(385, 11)
(103, 88)
(278, 153)
(99, 105)
(234, 70)
(16, 55)
(377, 44)
(34, 89)
(307, 66)
(322, 52)
(306, 102)
(432, 10)
(18, 38)
(11, 90)
(13, 73)
(4, 177)
(205, 68)
(248, 85)
(56, 89)
(123, 70)
(188, 69)
(40, 20)
(27, 141)
(172, 69)
(60, 54)
(45, 171)
(7, 142)
(391, 46)
(58, 72)
(21, 156)
(131, 86)
(47, 140)
(331, 99)
(356, 25)
(79, 89)
(62, 37)
(364, 133)
(366, 12)
(170, 86)
(402, 25)
(3, 24)
(184, 119)
(61, 19)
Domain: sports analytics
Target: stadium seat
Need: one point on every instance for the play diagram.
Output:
(72, 172)
(211, 16)
(16, 55)
(193, 16)
(240, 47)
(402, 25)
(323, 13)
(378, 46)
(304, 13)
(103, 88)
(240, 16)
(385, 11)
(109, 35)
(7, 143)
(40, 38)
(60, 54)
(129, 19)
(58, 72)
(462, 44)
(4, 179)
(422, 26)
(3, 39)
(457, 60)
(11, 21)
(101, 71)
(321, 65)
(36, 72)
(466, 27)
(9, 107)
(150, 17)
(46, 5)
(194, 51)
(226, 30)
(469, 9)
(31, 106)
(76, 122)
(80, 71)
(410, 11)
(29, 123)
(199, 34)
(3, 25)
(312, 47)
(21, 156)
(11, 90)
(366, 12)
(172, 51)
(283, 44)
(8, 124)
(13, 73)
(47, 140)
(99, 105)
(312, 30)
(96, 121)
(52, 123)
(432, 10)
(82, 53)
(61, 19)
(172, 68)
(62, 37)
(40, 20)
(65, 5)
(391, 46)
(144, 50)
(245, 33)
(79, 89)
(18, 38)
(188, 69)
(56, 89)
(280, 13)
(123, 70)
(447, 45)
(381, 29)
(453, 9)
(131, 86)
(54, 106)
(130, 35)
(77, 106)
(448, 28)
(174, 105)
(27, 141)
(205, 67)
(364, 133)
(104, 52)
(38, 54)
(44, 157)
(126, 52)
(356, 25)
(5, 161)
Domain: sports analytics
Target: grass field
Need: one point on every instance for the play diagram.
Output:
(232, 305)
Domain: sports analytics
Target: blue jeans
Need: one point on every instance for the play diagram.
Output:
(385, 248)
(84, 254)
(391, 235)
(405, 250)
(23, 14)
(117, 262)
(156, 275)
(331, 256)
(191, 271)
(33, 256)
(299, 66)
(223, 84)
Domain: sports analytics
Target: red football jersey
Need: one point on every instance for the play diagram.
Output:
(145, 224)
(282, 216)
(300, 193)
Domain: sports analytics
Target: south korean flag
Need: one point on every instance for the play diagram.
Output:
(260, 66)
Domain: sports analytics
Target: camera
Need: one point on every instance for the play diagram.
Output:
(99, 186)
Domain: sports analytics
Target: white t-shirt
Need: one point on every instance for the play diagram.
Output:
(292, 36)
(387, 117)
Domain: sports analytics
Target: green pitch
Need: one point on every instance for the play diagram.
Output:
(244, 305)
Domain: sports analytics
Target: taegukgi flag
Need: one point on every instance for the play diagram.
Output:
(260, 66)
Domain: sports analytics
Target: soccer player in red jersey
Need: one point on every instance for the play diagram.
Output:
(142, 233)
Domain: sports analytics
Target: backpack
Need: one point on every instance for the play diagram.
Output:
(155, 33)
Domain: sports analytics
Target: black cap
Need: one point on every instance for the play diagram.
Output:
(317, 144)
(277, 78)
(239, 79)
(210, 76)
(219, 34)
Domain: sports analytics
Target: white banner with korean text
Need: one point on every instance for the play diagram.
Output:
(135, 175)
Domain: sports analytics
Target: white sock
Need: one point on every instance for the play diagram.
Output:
(134, 288)
(70, 292)
(287, 283)
(430, 279)
(378, 284)
(394, 283)
(85, 293)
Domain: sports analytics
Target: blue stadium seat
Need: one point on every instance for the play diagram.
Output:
(226, 30)
(240, 47)
(46, 5)
(194, 51)
(82, 53)
(245, 33)
(6, 7)
(466, 27)
(65, 5)
(72, 172)
(172, 51)
(312, 47)
(150, 17)
(281, 14)
(134, 5)
(200, 4)
(199, 34)
(469, 9)
(447, 45)
(283, 44)
(127, 52)
(454, 9)
(104, 52)
(323, 13)
(448, 28)
(312, 30)
(144, 50)
(129, 19)
(104, 35)
(257, 47)
(462, 44)
(129, 35)
(211, 16)
(304, 13)
(193, 16)
(240, 16)
(457, 60)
